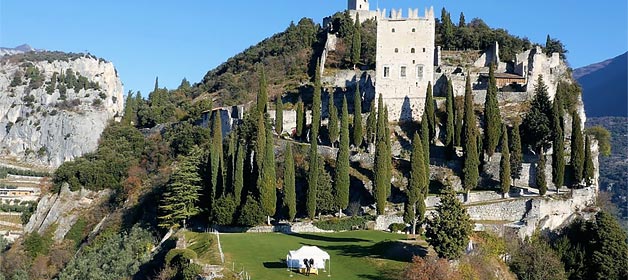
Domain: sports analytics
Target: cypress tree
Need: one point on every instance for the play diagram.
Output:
(356, 43)
(462, 22)
(425, 140)
(471, 157)
(278, 115)
(541, 183)
(332, 124)
(312, 181)
(458, 113)
(157, 79)
(216, 154)
(381, 150)
(300, 118)
(387, 158)
(429, 110)
(558, 144)
(316, 103)
(449, 136)
(260, 144)
(504, 164)
(341, 179)
(262, 95)
(290, 196)
(493, 121)
(357, 116)
(181, 195)
(268, 189)
(238, 181)
(589, 169)
(417, 183)
(371, 124)
(577, 149)
(516, 155)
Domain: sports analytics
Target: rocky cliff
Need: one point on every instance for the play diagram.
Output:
(54, 106)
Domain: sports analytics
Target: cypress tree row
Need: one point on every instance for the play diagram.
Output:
(356, 43)
(471, 157)
(541, 183)
(371, 124)
(238, 180)
(278, 115)
(300, 119)
(558, 145)
(451, 118)
(504, 164)
(262, 96)
(381, 182)
(429, 110)
(516, 155)
(341, 178)
(216, 155)
(312, 179)
(357, 116)
(316, 103)
(577, 149)
(425, 140)
(589, 169)
(416, 184)
(290, 196)
(332, 124)
(268, 195)
(493, 122)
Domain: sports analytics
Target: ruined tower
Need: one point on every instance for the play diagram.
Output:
(405, 61)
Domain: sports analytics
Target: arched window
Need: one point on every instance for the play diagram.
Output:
(413, 29)
(396, 50)
(393, 30)
(412, 50)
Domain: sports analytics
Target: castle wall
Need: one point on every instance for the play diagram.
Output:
(405, 62)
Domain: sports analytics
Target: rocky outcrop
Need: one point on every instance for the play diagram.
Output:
(63, 210)
(44, 119)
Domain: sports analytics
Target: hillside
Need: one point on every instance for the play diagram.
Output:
(604, 87)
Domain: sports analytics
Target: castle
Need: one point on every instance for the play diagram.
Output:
(405, 58)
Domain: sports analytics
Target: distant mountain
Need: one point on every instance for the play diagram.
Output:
(605, 87)
(19, 49)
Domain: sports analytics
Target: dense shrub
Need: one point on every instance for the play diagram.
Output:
(336, 224)
(397, 227)
(186, 253)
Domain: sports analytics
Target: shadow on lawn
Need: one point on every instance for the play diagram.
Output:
(277, 264)
(328, 238)
(390, 250)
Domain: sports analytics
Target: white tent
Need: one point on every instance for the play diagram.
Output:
(294, 259)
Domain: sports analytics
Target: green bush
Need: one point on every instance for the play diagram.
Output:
(77, 231)
(186, 253)
(336, 224)
(397, 227)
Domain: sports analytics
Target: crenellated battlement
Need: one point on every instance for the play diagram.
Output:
(397, 14)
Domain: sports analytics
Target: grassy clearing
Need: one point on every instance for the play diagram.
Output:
(354, 254)
(205, 246)
(15, 219)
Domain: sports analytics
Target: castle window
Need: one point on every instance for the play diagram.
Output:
(412, 50)
(423, 49)
(419, 71)
(386, 71)
(413, 29)
(396, 50)
(393, 30)
(403, 71)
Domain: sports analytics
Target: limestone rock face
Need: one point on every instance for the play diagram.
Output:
(47, 123)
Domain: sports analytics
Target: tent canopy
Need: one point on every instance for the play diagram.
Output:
(295, 258)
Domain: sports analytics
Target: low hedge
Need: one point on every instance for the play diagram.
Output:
(337, 224)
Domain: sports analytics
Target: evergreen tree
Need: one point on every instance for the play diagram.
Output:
(260, 149)
(156, 79)
(516, 155)
(357, 116)
(312, 181)
(262, 95)
(238, 181)
(356, 43)
(371, 124)
(417, 183)
(278, 115)
(462, 22)
(504, 164)
(558, 145)
(608, 259)
(300, 119)
(577, 149)
(251, 213)
(492, 115)
(387, 158)
(589, 169)
(429, 110)
(341, 179)
(332, 124)
(425, 140)
(448, 231)
(381, 180)
(536, 127)
(470, 169)
(216, 155)
(290, 196)
(459, 114)
(268, 189)
(130, 110)
(447, 30)
(180, 198)
(541, 183)
(451, 117)
(316, 103)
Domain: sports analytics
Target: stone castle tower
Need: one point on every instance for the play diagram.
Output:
(359, 5)
(405, 61)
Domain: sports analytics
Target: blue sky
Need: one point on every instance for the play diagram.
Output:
(176, 39)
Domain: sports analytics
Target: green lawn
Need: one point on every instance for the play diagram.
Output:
(354, 254)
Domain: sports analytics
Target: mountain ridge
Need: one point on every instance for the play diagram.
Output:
(604, 87)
